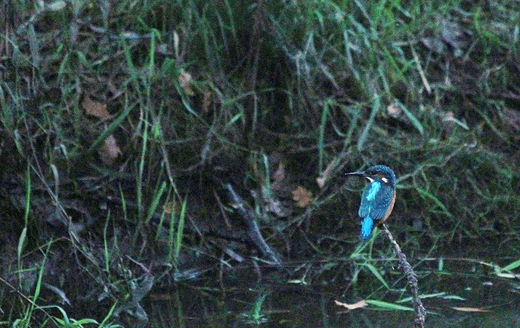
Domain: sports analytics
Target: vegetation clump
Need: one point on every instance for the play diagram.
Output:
(150, 144)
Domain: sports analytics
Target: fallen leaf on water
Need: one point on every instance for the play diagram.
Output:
(470, 309)
(97, 109)
(302, 196)
(358, 305)
(110, 150)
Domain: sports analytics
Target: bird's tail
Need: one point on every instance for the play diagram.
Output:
(366, 227)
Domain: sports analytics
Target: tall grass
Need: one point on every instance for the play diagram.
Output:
(200, 91)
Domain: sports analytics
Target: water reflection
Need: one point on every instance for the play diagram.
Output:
(310, 306)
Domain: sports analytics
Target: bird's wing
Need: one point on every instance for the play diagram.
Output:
(375, 201)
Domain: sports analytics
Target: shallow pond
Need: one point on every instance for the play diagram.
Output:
(452, 300)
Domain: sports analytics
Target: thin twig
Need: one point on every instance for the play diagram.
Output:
(420, 312)
(248, 217)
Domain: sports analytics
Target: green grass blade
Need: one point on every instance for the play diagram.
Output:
(376, 274)
(511, 266)
(389, 306)
(180, 229)
(364, 135)
(321, 140)
(155, 202)
(436, 200)
(415, 121)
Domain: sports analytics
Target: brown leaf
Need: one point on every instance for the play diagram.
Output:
(110, 150)
(302, 196)
(96, 109)
(358, 305)
(185, 81)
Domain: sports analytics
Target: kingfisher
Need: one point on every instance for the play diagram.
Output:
(378, 197)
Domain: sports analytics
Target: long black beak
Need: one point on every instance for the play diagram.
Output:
(360, 174)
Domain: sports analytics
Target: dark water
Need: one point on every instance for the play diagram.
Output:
(451, 301)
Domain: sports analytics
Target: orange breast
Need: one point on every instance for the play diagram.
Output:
(388, 212)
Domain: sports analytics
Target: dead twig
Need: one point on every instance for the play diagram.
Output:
(420, 312)
(252, 228)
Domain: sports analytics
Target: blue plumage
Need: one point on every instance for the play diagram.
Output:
(367, 224)
(371, 191)
(378, 197)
